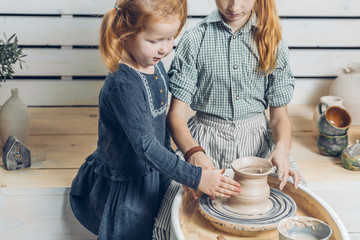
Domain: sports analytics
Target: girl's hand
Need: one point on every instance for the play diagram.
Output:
(214, 183)
(280, 159)
(199, 159)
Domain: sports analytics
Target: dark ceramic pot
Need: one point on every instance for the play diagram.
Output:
(332, 145)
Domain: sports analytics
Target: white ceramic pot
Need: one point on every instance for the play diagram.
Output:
(330, 101)
(347, 86)
(14, 119)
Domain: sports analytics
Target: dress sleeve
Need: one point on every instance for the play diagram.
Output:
(183, 72)
(281, 81)
(127, 100)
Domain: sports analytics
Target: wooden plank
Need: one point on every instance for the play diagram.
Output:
(196, 7)
(85, 31)
(354, 235)
(60, 151)
(52, 92)
(347, 208)
(36, 178)
(39, 214)
(319, 168)
(61, 62)
(318, 8)
(301, 116)
(292, 8)
(321, 62)
(60, 120)
(87, 62)
(56, 7)
(320, 32)
(313, 32)
(57, 93)
(46, 30)
(309, 90)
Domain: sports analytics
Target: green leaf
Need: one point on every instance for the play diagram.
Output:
(10, 54)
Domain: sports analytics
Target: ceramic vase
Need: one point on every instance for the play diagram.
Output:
(14, 119)
(347, 86)
(251, 173)
(330, 101)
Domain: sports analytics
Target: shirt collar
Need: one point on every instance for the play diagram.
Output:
(215, 16)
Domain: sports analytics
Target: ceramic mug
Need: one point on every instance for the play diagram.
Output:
(332, 145)
(334, 121)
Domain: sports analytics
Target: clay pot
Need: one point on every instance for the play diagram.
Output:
(329, 101)
(14, 119)
(347, 86)
(332, 145)
(351, 157)
(251, 173)
(335, 121)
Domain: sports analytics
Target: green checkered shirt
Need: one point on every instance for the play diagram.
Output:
(216, 71)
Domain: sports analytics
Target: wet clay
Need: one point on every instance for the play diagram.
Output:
(251, 173)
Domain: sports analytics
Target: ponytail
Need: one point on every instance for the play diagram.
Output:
(267, 35)
(112, 39)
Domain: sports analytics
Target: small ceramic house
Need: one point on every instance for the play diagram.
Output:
(15, 154)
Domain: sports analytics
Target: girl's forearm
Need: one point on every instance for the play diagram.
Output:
(281, 128)
(177, 122)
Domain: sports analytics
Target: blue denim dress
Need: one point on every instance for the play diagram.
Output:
(118, 189)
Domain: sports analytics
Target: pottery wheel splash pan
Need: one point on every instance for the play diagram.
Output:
(224, 218)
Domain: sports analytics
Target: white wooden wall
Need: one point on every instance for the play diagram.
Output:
(64, 67)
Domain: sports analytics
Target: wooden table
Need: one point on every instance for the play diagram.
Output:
(34, 201)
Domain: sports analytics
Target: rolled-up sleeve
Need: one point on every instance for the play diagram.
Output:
(281, 82)
(183, 72)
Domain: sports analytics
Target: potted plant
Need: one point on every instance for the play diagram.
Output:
(14, 114)
(10, 53)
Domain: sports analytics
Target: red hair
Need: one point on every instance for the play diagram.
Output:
(130, 19)
(267, 34)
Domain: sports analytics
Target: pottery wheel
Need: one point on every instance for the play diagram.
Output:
(224, 218)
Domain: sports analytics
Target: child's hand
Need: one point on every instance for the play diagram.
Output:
(281, 161)
(214, 183)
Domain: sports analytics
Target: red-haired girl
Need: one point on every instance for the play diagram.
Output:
(230, 68)
(118, 190)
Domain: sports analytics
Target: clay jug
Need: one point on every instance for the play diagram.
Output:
(251, 173)
(14, 119)
(346, 86)
(329, 101)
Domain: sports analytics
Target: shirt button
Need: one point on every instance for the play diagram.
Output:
(160, 90)
(237, 97)
(156, 77)
(271, 77)
(234, 36)
(235, 66)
